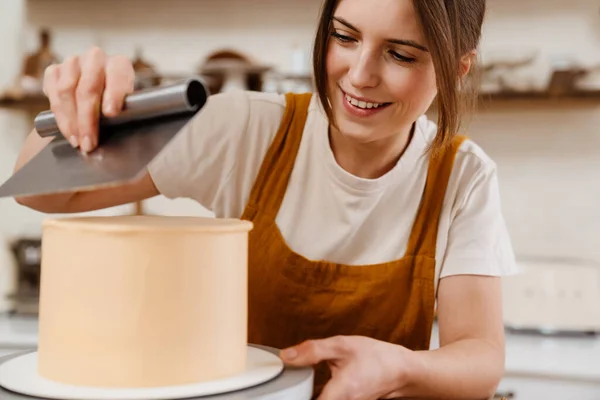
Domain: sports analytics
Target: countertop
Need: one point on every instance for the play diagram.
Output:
(19, 332)
(527, 355)
(575, 358)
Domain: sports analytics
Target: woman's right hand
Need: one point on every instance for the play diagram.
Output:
(82, 88)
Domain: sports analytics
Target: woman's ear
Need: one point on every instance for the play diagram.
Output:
(466, 62)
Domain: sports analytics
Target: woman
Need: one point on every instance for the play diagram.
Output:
(365, 213)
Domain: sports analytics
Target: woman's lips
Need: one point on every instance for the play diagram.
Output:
(358, 111)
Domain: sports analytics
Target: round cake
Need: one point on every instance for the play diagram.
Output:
(142, 301)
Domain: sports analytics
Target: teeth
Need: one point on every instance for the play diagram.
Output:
(362, 104)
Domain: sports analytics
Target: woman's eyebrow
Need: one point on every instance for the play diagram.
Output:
(403, 42)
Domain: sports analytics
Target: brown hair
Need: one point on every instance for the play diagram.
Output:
(452, 29)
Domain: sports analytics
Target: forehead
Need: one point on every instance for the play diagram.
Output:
(382, 18)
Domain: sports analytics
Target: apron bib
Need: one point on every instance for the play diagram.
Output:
(292, 298)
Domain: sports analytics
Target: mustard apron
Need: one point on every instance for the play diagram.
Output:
(292, 299)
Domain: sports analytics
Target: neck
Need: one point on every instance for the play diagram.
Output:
(369, 160)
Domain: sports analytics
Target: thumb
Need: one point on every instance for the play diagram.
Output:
(311, 352)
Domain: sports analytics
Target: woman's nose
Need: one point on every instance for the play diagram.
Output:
(364, 71)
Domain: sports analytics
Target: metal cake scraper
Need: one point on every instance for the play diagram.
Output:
(126, 144)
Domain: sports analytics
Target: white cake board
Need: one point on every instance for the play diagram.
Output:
(20, 375)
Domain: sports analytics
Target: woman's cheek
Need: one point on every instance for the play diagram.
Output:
(337, 60)
(411, 83)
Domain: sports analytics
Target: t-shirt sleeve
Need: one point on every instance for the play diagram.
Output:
(478, 238)
(216, 157)
(198, 161)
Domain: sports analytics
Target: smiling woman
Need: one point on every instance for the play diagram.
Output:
(366, 214)
(415, 50)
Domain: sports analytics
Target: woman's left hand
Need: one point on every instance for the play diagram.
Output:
(361, 368)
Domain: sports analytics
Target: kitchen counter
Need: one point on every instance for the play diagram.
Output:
(18, 332)
(575, 358)
(565, 358)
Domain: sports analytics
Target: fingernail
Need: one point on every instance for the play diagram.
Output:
(111, 108)
(87, 144)
(73, 140)
(289, 354)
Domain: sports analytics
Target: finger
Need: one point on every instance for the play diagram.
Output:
(312, 352)
(120, 79)
(62, 99)
(50, 80)
(89, 96)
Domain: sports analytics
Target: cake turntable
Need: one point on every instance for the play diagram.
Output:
(159, 312)
(264, 379)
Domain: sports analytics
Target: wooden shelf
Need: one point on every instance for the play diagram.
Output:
(533, 100)
(545, 96)
(40, 103)
(33, 103)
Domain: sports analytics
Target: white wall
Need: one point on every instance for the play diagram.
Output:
(554, 27)
(12, 18)
(547, 155)
(549, 167)
(176, 35)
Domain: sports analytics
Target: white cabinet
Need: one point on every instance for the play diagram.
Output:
(526, 388)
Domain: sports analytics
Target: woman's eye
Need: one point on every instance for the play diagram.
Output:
(402, 58)
(342, 38)
(348, 39)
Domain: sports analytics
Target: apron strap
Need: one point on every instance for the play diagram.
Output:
(423, 237)
(272, 180)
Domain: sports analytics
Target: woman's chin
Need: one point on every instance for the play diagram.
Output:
(356, 133)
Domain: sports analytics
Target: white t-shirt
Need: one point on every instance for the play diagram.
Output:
(327, 213)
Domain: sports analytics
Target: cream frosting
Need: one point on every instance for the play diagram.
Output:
(143, 301)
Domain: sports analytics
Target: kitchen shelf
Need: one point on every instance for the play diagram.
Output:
(591, 95)
(40, 103)
(31, 103)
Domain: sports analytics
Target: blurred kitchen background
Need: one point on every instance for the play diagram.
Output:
(538, 117)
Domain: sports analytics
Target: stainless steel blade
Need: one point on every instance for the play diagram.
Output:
(127, 144)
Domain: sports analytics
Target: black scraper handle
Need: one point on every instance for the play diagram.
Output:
(181, 98)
